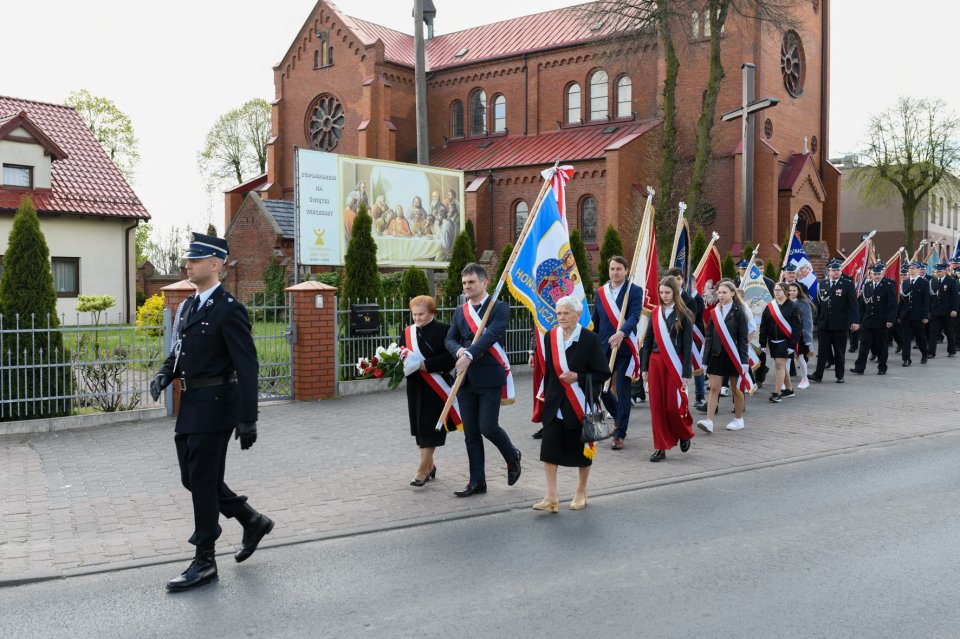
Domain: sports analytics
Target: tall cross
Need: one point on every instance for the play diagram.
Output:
(748, 107)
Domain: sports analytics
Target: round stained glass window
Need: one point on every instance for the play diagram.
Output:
(792, 63)
(325, 119)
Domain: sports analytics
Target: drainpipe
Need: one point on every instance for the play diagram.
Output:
(490, 222)
(526, 95)
(126, 269)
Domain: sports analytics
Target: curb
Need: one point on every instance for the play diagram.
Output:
(77, 422)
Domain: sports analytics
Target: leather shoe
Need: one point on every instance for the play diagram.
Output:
(853, 370)
(513, 471)
(840, 380)
(538, 434)
(617, 443)
(905, 363)
(201, 570)
(252, 534)
(684, 445)
(815, 378)
(882, 372)
(658, 455)
(471, 489)
(923, 360)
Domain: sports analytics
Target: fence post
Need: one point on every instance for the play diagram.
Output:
(173, 295)
(314, 369)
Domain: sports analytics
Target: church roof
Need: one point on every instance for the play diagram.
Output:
(85, 181)
(568, 145)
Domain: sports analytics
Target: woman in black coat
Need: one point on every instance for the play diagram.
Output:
(719, 364)
(426, 338)
(780, 343)
(562, 425)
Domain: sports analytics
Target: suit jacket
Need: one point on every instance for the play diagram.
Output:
(216, 341)
(681, 338)
(601, 323)
(770, 330)
(943, 296)
(837, 305)
(485, 371)
(584, 357)
(696, 305)
(915, 303)
(739, 328)
(879, 304)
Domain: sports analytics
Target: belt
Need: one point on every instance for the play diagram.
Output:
(207, 382)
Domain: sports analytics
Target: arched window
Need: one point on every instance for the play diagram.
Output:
(573, 103)
(520, 212)
(706, 24)
(695, 24)
(456, 119)
(499, 114)
(323, 56)
(478, 112)
(624, 97)
(599, 95)
(588, 220)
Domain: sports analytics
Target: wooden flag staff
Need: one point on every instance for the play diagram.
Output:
(786, 254)
(703, 258)
(676, 234)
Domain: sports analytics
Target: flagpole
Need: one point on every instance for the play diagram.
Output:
(676, 234)
(917, 252)
(703, 258)
(743, 280)
(451, 396)
(786, 254)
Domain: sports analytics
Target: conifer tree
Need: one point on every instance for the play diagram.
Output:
(612, 245)
(413, 283)
(583, 262)
(361, 274)
(747, 251)
(770, 271)
(468, 229)
(728, 268)
(697, 248)
(461, 255)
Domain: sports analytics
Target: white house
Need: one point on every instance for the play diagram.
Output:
(88, 212)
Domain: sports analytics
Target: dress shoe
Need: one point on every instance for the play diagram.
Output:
(471, 489)
(905, 363)
(617, 443)
(547, 506)
(815, 378)
(882, 372)
(853, 370)
(252, 534)
(931, 355)
(899, 348)
(873, 358)
(513, 471)
(923, 360)
(658, 455)
(852, 349)
(538, 434)
(420, 482)
(201, 570)
(684, 445)
(578, 504)
(433, 473)
(951, 354)
(839, 380)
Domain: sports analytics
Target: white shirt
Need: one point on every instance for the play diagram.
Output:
(615, 291)
(724, 309)
(207, 293)
(667, 310)
(574, 337)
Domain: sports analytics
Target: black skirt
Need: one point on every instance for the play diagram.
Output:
(561, 443)
(721, 364)
(778, 350)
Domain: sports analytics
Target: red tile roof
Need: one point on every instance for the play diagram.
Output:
(567, 145)
(792, 171)
(86, 182)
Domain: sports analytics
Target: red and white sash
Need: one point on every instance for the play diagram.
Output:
(665, 345)
(433, 380)
(578, 400)
(697, 349)
(746, 380)
(608, 302)
(509, 393)
(778, 317)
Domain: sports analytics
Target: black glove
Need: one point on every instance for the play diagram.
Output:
(160, 382)
(246, 433)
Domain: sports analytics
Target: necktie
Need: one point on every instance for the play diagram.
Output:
(196, 305)
(476, 307)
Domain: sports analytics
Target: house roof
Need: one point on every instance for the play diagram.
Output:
(799, 167)
(85, 181)
(792, 171)
(282, 213)
(567, 145)
(14, 121)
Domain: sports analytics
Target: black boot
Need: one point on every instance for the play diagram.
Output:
(202, 569)
(255, 528)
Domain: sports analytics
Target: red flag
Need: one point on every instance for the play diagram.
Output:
(706, 277)
(856, 264)
(651, 298)
(893, 268)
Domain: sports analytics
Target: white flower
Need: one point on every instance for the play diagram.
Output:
(380, 351)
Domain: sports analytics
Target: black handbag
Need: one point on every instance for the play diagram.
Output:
(596, 426)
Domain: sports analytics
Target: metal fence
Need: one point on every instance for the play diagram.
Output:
(394, 316)
(274, 336)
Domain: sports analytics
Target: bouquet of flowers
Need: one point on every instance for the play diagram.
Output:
(387, 363)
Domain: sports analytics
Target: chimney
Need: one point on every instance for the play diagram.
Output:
(429, 13)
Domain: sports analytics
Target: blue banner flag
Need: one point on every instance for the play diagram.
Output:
(681, 253)
(932, 260)
(805, 273)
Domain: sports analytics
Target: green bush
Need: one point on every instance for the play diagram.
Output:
(461, 255)
(141, 298)
(150, 315)
(390, 284)
(330, 278)
(728, 268)
(583, 262)
(468, 229)
(612, 245)
(361, 273)
(769, 270)
(413, 283)
(275, 280)
(747, 251)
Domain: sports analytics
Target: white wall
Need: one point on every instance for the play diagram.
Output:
(27, 155)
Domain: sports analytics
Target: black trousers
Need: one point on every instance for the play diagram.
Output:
(202, 458)
(913, 330)
(833, 345)
(480, 412)
(946, 323)
(873, 340)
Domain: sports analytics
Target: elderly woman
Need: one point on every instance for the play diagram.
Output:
(572, 356)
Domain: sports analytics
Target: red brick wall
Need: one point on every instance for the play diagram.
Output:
(253, 244)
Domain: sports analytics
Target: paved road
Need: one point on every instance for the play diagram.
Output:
(106, 498)
(852, 545)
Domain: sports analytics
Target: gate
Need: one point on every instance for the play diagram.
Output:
(274, 335)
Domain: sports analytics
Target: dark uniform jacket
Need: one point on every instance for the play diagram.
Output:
(602, 325)
(879, 304)
(837, 305)
(943, 296)
(485, 371)
(696, 305)
(215, 343)
(915, 303)
(681, 338)
(423, 404)
(770, 329)
(584, 357)
(739, 328)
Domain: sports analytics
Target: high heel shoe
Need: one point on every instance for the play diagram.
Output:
(578, 504)
(433, 473)
(547, 506)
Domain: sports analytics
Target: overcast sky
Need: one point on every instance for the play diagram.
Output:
(175, 66)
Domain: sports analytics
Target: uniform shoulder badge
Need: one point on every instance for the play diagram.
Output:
(229, 299)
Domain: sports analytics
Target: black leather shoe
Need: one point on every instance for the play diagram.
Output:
(420, 482)
(951, 354)
(852, 349)
(899, 348)
(905, 363)
(684, 445)
(931, 355)
(202, 569)
(471, 489)
(513, 471)
(252, 534)
(840, 381)
(923, 360)
(658, 455)
(538, 434)
(815, 378)
(853, 370)
(882, 372)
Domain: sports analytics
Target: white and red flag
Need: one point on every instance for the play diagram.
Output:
(558, 178)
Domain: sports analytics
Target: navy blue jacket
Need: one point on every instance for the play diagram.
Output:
(485, 371)
(601, 323)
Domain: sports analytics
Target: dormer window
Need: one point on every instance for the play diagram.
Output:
(18, 176)
(323, 56)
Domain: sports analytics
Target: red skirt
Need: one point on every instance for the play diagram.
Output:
(669, 426)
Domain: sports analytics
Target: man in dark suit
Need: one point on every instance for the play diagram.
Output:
(606, 323)
(480, 394)
(943, 309)
(879, 303)
(914, 313)
(837, 312)
(766, 280)
(789, 273)
(216, 361)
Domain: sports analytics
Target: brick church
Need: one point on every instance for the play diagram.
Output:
(507, 99)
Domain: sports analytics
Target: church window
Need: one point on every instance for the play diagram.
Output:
(325, 119)
(478, 112)
(599, 94)
(520, 212)
(792, 64)
(813, 145)
(456, 119)
(588, 220)
(573, 103)
(768, 128)
(499, 114)
(624, 97)
(695, 24)
(323, 56)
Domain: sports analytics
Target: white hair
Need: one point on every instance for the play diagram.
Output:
(571, 303)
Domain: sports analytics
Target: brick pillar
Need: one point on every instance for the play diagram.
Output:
(173, 295)
(314, 374)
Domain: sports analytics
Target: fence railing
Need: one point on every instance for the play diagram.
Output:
(273, 336)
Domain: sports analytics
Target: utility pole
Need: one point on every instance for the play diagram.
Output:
(420, 72)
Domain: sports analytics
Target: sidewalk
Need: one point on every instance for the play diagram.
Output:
(106, 498)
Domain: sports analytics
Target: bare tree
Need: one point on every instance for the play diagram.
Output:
(911, 148)
(166, 247)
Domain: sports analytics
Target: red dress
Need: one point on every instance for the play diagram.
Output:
(670, 418)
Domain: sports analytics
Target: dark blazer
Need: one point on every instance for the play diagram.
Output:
(682, 339)
(601, 323)
(696, 305)
(770, 330)
(423, 404)
(943, 296)
(584, 357)
(216, 341)
(879, 304)
(485, 371)
(837, 305)
(739, 329)
(915, 303)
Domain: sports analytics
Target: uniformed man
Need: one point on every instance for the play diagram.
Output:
(790, 277)
(216, 361)
(879, 313)
(741, 272)
(943, 309)
(895, 333)
(914, 313)
(837, 313)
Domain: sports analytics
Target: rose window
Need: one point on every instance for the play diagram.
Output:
(325, 123)
(791, 63)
